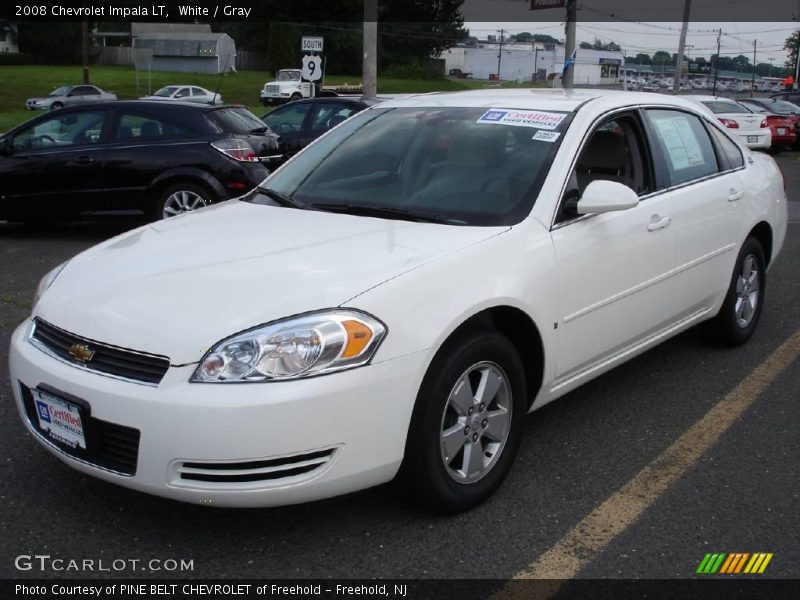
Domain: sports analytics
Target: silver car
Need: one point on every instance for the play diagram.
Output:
(69, 95)
(186, 93)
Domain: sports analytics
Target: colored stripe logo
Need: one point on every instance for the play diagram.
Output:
(734, 563)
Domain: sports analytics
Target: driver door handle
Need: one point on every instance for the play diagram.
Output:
(657, 223)
(84, 160)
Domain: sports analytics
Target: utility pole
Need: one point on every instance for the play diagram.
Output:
(753, 80)
(716, 62)
(568, 76)
(85, 50)
(370, 65)
(500, 53)
(676, 85)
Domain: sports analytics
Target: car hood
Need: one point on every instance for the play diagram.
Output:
(177, 287)
(39, 98)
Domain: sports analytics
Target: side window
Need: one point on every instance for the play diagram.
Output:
(289, 119)
(685, 144)
(197, 92)
(73, 129)
(614, 152)
(328, 115)
(141, 127)
(90, 91)
(182, 93)
(729, 149)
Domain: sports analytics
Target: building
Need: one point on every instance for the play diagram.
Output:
(516, 63)
(592, 67)
(8, 36)
(185, 47)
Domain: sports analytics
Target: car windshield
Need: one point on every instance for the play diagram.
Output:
(288, 75)
(166, 92)
(462, 166)
(718, 107)
(237, 120)
(60, 91)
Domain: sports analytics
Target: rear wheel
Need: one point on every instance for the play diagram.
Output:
(738, 317)
(466, 426)
(180, 198)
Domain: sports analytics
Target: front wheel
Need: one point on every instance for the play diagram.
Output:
(738, 317)
(296, 96)
(56, 105)
(466, 425)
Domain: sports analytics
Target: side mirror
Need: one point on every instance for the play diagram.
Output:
(602, 196)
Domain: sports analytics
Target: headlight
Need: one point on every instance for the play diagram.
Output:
(47, 281)
(302, 346)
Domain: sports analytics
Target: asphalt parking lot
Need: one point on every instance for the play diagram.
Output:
(580, 465)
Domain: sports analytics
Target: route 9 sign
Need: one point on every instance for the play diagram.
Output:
(311, 44)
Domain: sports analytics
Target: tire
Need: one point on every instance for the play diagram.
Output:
(296, 96)
(56, 105)
(439, 474)
(738, 317)
(180, 198)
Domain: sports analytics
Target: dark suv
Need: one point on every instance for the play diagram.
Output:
(158, 158)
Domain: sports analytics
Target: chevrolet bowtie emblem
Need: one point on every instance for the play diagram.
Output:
(81, 353)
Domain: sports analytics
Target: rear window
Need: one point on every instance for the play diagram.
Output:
(718, 107)
(236, 120)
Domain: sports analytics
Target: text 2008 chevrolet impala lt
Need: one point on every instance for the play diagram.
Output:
(394, 300)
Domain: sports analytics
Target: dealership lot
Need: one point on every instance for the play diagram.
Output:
(741, 496)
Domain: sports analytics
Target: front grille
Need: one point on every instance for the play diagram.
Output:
(109, 445)
(258, 470)
(273, 89)
(112, 360)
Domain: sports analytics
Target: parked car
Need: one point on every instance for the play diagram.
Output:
(460, 74)
(159, 158)
(788, 96)
(186, 93)
(300, 123)
(782, 127)
(752, 130)
(779, 107)
(288, 86)
(394, 300)
(69, 95)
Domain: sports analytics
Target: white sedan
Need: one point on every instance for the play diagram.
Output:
(185, 93)
(752, 130)
(393, 300)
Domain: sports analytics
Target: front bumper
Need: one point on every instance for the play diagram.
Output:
(358, 419)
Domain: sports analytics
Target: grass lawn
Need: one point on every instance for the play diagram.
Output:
(22, 82)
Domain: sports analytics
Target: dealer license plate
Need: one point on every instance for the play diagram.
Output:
(752, 139)
(59, 419)
(781, 131)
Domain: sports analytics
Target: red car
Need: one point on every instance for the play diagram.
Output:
(783, 119)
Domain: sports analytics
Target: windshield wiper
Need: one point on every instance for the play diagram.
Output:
(386, 212)
(281, 198)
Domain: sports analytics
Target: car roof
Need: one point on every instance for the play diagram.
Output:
(558, 99)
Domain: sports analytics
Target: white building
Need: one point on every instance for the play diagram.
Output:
(8, 37)
(518, 61)
(592, 67)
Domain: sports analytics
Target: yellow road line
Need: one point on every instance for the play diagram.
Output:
(589, 537)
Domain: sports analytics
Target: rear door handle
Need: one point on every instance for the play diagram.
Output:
(657, 223)
(84, 160)
(734, 194)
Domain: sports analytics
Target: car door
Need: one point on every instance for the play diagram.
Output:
(81, 94)
(288, 121)
(143, 145)
(56, 164)
(613, 268)
(184, 94)
(703, 166)
(199, 95)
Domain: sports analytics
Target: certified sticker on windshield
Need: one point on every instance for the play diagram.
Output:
(522, 118)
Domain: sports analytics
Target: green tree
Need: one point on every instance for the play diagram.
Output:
(791, 45)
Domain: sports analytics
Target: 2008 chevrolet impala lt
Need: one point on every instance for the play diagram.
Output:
(393, 301)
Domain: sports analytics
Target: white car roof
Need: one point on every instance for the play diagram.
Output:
(538, 99)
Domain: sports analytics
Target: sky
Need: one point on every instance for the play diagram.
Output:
(648, 37)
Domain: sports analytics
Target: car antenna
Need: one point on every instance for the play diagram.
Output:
(219, 80)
